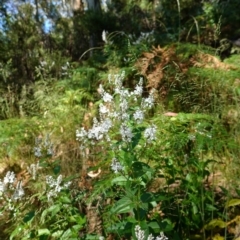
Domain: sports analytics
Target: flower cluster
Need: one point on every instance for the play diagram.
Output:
(32, 169)
(8, 185)
(65, 69)
(116, 166)
(119, 112)
(41, 145)
(55, 186)
(140, 235)
(150, 133)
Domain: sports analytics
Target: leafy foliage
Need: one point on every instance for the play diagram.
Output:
(138, 170)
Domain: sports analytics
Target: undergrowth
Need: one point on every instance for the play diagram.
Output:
(155, 155)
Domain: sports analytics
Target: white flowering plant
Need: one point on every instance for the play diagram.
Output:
(118, 142)
(38, 203)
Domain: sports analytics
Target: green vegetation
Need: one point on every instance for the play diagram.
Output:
(121, 121)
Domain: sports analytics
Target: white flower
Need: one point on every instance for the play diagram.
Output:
(9, 178)
(55, 185)
(43, 63)
(104, 36)
(116, 166)
(37, 152)
(161, 237)
(99, 129)
(95, 133)
(124, 116)
(50, 150)
(2, 187)
(103, 109)
(138, 88)
(126, 133)
(124, 93)
(59, 179)
(80, 134)
(139, 233)
(64, 68)
(33, 170)
(107, 97)
(123, 105)
(150, 237)
(150, 133)
(67, 184)
(58, 188)
(118, 80)
(50, 181)
(51, 194)
(19, 192)
(148, 102)
(138, 116)
(106, 125)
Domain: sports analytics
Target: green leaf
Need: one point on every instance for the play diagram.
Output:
(121, 181)
(57, 233)
(57, 169)
(140, 214)
(194, 208)
(166, 225)
(233, 202)
(67, 234)
(218, 237)
(123, 205)
(65, 200)
(154, 226)
(147, 197)
(29, 216)
(77, 227)
(43, 231)
(189, 177)
(139, 169)
(16, 231)
(210, 207)
(43, 237)
(215, 223)
(53, 210)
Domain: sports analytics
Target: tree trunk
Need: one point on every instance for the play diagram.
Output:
(94, 5)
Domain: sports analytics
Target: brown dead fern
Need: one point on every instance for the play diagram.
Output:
(152, 64)
(209, 61)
